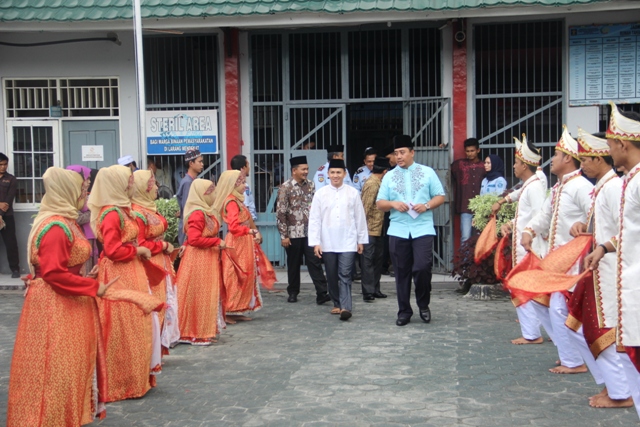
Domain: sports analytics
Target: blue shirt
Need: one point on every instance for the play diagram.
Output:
(415, 184)
(497, 186)
(181, 195)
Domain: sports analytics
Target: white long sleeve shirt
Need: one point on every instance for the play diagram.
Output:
(531, 199)
(337, 221)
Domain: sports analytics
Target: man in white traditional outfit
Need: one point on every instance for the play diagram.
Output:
(321, 178)
(568, 203)
(337, 231)
(593, 305)
(531, 197)
(623, 138)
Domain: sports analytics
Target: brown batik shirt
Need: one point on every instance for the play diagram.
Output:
(375, 217)
(292, 211)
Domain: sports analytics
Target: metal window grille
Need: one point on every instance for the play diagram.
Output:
(315, 66)
(33, 153)
(181, 74)
(375, 64)
(424, 63)
(78, 97)
(518, 75)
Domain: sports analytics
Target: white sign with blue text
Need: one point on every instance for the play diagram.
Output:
(176, 132)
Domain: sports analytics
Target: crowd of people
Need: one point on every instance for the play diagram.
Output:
(104, 302)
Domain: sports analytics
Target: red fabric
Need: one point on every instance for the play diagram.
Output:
(155, 274)
(234, 225)
(155, 246)
(487, 241)
(561, 259)
(114, 249)
(502, 263)
(266, 273)
(195, 226)
(634, 355)
(56, 250)
(232, 92)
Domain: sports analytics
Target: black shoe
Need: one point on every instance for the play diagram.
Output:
(425, 315)
(379, 295)
(392, 274)
(15, 275)
(403, 321)
(321, 300)
(345, 315)
(368, 298)
(357, 277)
(293, 298)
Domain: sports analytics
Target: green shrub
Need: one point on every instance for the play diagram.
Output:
(168, 208)
(481, 208)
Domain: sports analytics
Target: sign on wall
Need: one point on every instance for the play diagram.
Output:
(176, 132)
(93, 153)
(604, 64)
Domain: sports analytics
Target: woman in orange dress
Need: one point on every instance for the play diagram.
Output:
(151, 229)
(54, 358)
(199, 280)
(127, 331)
(242, 291)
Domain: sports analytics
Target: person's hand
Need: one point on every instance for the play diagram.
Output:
(178, 214)
(4, 206)
(143, 252)
(591, 261)
(317, 250)
(400, 206)
(360, 248)
(181, 251)
(94, 272)
(223, 244)
(526, 241)
(495, 208)
(257, 238)
(506, 229)
(169, 248)
(102, 288)
(285, 243)
(420, 208)
(577, 229)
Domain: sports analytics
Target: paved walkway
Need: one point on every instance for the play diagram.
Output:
(296, 365)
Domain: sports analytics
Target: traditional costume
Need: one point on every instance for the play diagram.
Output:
(242, 291)
(53, 379)
(593, 302)
(568, 203)
(151, 229)
(128, 333)
(199, 276)
(628, 253)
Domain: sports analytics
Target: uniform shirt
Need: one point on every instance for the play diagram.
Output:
(321, 178)
(250, 202)
(181, 195)
(531, 199)
(568, 203)
(292, 210)
(415, 184)
(604, 216)
(361, 177)
(496, 186)
(8, 188)
(628, 267)
(336, 220)
(375, 217)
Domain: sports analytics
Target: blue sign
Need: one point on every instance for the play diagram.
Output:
(176, 132)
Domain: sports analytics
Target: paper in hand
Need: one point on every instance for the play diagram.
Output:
(412, 212)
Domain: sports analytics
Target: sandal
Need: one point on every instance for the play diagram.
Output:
(335, 310)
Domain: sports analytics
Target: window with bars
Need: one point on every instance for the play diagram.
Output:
(77, 97)
(518, 87)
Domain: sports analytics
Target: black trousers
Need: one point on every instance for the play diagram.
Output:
(372, 264)
(8, 234)
(295, 251)
(412, 257)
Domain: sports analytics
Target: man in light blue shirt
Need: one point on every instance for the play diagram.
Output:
(410, 191)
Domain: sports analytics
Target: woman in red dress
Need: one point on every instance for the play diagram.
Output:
(54, 358)
(199, 279)
(127, 331)
(151, 229)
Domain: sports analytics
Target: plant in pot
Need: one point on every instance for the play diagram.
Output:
(465, 270)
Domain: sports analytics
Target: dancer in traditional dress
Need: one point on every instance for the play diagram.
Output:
(623, 138)
(199, 276)
(569, 203)
(128, 333)
(531, 198)
(152, 226)
(242, 292)
(53, 371)
(593, 302)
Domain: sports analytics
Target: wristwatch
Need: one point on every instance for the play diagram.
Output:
(426, 205)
